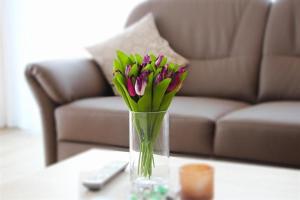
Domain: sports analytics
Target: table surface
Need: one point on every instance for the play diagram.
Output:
(232, 180)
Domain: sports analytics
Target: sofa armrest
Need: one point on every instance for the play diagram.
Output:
(67, 80)
(57, 82)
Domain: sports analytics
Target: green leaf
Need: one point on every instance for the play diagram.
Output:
(118, 66)
(145, 102)
(123, 58)
(153, 66)
(132, 59)
(120, 78)
(167, 100)
(148, 67)
(157, 122)
(153, 57)
(121, 92)
(138, 59)
(157, 71)
(133, 71)
(159, 92)
(171, 67)
(183, 76)
(176, 67)
(163, 62)
(132, 104)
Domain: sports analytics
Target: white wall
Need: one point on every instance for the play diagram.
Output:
(47, 29)
(21, 109)
(2, 97)
(2, 93)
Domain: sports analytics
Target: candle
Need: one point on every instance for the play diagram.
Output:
(197, 182)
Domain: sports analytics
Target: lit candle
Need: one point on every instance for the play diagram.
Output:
(197, 182)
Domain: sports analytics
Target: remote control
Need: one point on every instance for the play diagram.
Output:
(104, 175)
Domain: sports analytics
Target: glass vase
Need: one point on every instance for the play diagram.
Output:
(149, 149)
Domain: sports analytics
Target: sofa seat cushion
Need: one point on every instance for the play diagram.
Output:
(266, 132)
(104, 120)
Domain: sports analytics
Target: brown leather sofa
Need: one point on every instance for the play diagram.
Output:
(241, 99)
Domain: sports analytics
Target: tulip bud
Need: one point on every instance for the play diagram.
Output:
(158, 79)
(181, 70)
(141, 83)
(158, 60)
(130, 88)
(164, 72)
(146, 60)
(176, 81)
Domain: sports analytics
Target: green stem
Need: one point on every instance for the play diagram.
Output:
(147, 129)
(146, 162)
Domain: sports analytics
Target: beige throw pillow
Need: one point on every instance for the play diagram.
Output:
(141, 37)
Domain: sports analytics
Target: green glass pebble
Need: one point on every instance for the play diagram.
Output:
(156, 196)
(158, 192)
(133, 197)
(161, 190)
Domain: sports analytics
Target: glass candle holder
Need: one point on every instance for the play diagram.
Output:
(197, 182)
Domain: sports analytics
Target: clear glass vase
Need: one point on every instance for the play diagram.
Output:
(149, 149)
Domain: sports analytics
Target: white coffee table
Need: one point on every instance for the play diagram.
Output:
(232, 180)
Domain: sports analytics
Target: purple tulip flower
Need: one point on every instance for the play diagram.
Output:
(159, 78)
(181, 70)
(162, 75)
(158, 60)
(176, 79)
(164, 71)
(141, 83)
(130, 87)
(146, 60)
(174, 83)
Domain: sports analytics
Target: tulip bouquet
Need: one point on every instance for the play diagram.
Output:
(147, 84)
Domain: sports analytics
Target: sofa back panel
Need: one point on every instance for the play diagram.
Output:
(280, 73)
(223, 37)
(213, 78)
(283, 29)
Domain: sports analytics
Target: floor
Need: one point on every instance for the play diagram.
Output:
(21, 154)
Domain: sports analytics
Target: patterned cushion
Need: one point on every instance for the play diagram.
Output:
(141, 37)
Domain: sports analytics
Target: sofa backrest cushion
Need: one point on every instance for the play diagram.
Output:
(221, 38)
(280, 73)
